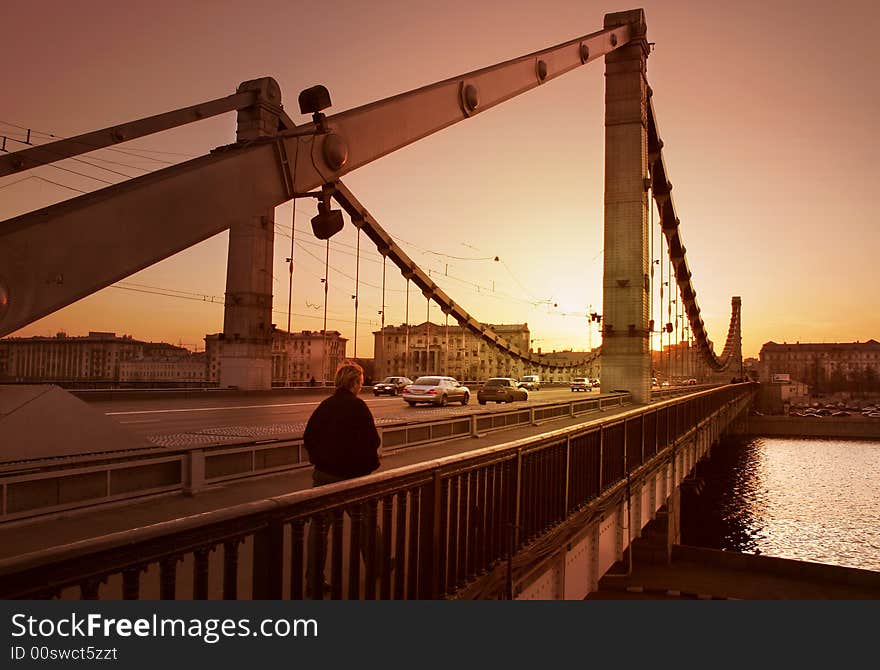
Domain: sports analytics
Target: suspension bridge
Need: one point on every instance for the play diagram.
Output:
(445, 523)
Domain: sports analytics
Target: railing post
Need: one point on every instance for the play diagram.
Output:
(429, 537)
(567, 474)
(194, 472)
(268, 561)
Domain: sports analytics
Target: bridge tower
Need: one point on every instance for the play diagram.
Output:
(626, 286)
(245, 347)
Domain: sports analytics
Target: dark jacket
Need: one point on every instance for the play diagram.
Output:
(341, 436)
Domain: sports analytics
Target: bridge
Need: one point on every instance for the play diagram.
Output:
(550, 512)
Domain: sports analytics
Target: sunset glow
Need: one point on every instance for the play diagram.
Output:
(769, 138)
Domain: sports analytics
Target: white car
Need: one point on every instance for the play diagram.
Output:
(531, 382)
(581, 384)
(436, 390)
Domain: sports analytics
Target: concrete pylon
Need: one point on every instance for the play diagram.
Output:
(246, 347)
(626, 286)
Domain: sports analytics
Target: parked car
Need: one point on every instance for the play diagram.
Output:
(391, 385)
(531, 382)
(501, 389)
(436, 390)
(581, 384)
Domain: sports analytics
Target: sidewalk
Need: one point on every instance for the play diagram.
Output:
(22, 537)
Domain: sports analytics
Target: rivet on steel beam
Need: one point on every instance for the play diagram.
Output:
(118, 135)
(613, 40)
(585, 53)
(335, 151)
(470, 98)
(541, 70)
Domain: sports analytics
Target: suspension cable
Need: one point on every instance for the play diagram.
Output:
(406, 318)
(324, 371)
(357, 268)
(382, 313)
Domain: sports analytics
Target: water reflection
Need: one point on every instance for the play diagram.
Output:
(807, 499)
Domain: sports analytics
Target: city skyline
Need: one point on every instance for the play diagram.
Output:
(742, 104)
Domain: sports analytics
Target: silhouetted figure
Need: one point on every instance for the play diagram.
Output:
(312, 381)
(342, 442)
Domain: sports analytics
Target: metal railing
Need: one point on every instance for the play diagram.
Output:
(29, 489)
(419, 532)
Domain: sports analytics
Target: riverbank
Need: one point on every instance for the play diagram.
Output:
(797, 426)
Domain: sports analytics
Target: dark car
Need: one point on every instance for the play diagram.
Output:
(391, 385)
(501, 389)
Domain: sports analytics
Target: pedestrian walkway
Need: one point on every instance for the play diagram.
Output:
(17, 538)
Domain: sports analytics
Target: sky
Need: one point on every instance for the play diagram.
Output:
(767, 111)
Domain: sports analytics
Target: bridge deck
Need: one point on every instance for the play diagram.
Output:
(17, 538)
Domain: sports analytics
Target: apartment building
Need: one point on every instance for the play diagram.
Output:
(822, 364)
(101, 357)
(297, 357)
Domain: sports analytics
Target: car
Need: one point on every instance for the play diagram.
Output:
(581, 384)
(391, 385)
(501, 389)
(531, 382)
(691, 382)
(436, 390)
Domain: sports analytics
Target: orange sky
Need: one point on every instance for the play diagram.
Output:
(767, 112)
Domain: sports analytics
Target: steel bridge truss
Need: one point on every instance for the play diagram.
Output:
(661, 188)
(54, 256)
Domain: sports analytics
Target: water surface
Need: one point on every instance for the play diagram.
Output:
(806, 499)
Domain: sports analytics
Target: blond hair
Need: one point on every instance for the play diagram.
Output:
(348, 375)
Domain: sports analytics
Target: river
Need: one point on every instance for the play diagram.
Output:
(807, 499)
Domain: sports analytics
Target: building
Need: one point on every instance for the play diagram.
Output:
(562, 359)
(436, 349)
(170, 369)
(676, 362)
(299, 357)
(96, 358)
(296, 357)
(826, 367)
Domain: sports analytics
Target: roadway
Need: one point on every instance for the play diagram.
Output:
(217, 418)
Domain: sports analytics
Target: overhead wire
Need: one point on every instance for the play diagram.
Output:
(484, 291)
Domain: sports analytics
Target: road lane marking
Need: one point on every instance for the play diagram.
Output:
(206, 409)
(212, 409)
